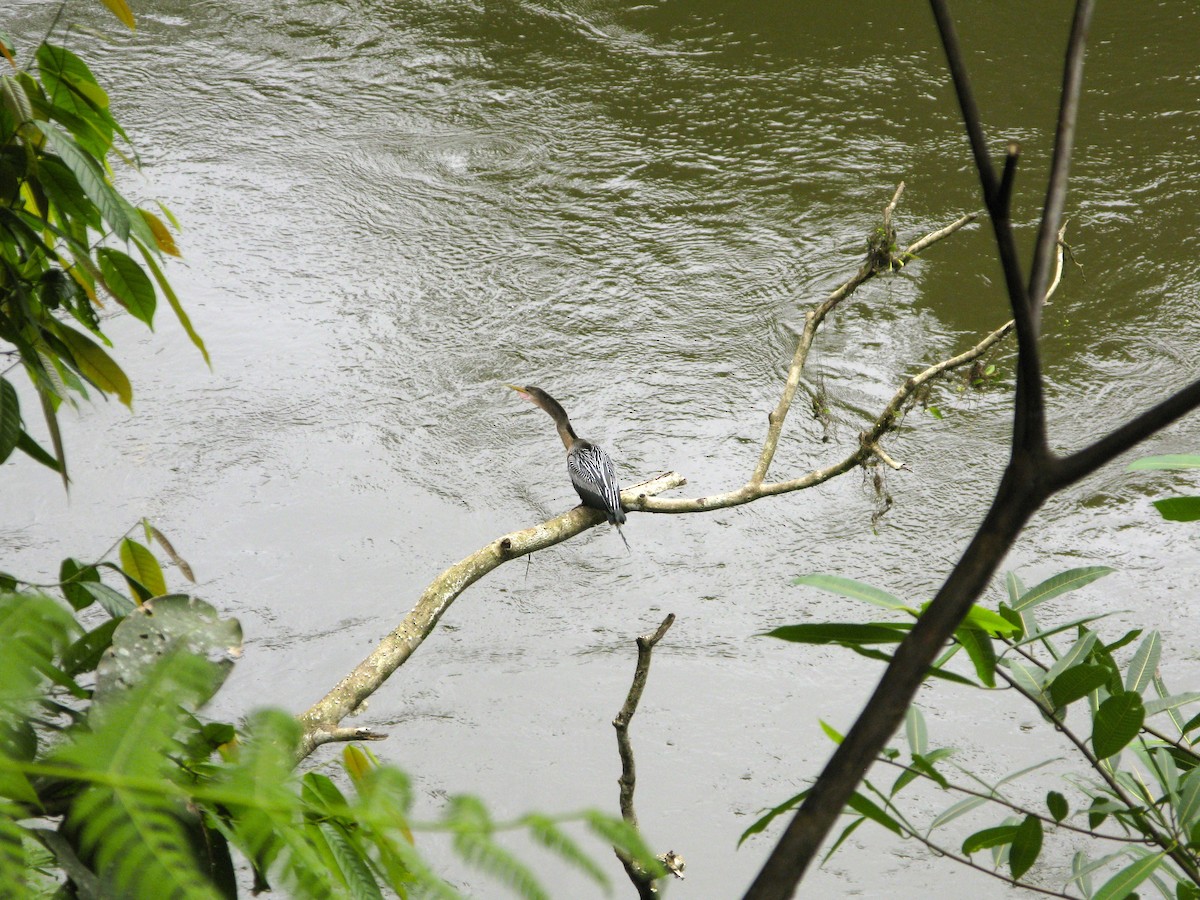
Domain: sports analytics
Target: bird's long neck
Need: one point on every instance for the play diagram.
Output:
(565, 431)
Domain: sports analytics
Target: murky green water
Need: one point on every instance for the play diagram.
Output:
(392, 208)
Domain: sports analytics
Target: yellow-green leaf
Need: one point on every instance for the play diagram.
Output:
(97, 366)
(121, 10)
(139, 564)
(162, 237)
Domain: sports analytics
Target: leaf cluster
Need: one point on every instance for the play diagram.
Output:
(69, 242)
(1139, 785)
(113, 784)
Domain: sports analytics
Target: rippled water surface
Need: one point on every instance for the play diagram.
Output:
(390, 209)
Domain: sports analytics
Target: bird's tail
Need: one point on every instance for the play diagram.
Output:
(622, 534)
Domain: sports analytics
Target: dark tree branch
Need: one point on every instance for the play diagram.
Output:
(642, 880)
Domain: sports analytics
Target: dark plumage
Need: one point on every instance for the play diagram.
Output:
(590, 468)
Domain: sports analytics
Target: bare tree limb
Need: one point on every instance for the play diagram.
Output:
(642, 880)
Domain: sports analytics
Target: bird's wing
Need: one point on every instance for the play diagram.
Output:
(592, 473)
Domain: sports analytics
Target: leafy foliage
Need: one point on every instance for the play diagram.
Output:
(68, 241)
(1149, 795)
(111, 780)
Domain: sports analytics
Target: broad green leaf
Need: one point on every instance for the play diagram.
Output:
(1057, 804)
(1077, 682)
(1026, 845)
(71, 576)
(986, 620)
(97, 366)
(1122, 884)
(841, 633)
(116, 605)
(979, 648)
(855, 590)
(988, 838)
(1179, 509)
(1160, 463)
(916, 732)
(139, 564)
(58, 64)
(10, 419)
(1144, 664)
(85, 654)
(1071, 580)
(864, 806)
(128, 283)
(86, 170)
(1116, 723)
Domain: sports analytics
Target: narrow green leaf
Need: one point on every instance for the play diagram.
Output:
(10, 419)
(1179, 509)
(855, 590)
(128, 283)
(864, 806)
(1168, 704)
(1057, 804)
(1144, 664)
(842, 633)
(139, 564)
(1076, 654)
(1077, 682)
(846, 832)
(1116, 723)
(988, 838)
(30, 447)
(953, 812)
(1128, 638)
(97, 366)
(760, 824)
(1071, 580)
(830, 731)
(916, 732)
(1014, 586)
(176, 306)
(56, 441)
(1188, 808)
(1026, 845)
(1162, 463)
(1122, 884)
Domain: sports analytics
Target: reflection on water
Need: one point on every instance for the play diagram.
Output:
(391, 208)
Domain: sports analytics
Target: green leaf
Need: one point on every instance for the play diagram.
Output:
(846, 832)
(1179, 509)
(10, 419)
(1057, 804)
(855, 590)
(1161, 463)
(554, 839)
(916, 732)
(87, 171)
(1122, 884)
(1166, 704)
(116, 605)
(1116, 723)
(121, 10)
(71, 575)
(1071, 580)
(1026, 845)
(953, 812)
(1144, 664)
(988, 838)
(830, 732)
(173, 300)
(1077, 653)
(85, 654)
(1077, 682)
(864, 806)
(979, 648)
(140, 565)
(1187, 810)
(30, 447)
(97, 366)
(842, 633)
(988, 621)
(128, 283)
(760, 824)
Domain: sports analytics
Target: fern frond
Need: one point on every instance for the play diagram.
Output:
(553, 838)
(472, 831)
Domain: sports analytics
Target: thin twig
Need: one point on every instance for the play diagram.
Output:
(642, 880)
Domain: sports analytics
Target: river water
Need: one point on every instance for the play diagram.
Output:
(391, 209)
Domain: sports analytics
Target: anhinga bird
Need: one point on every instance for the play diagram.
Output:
(591, 469)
